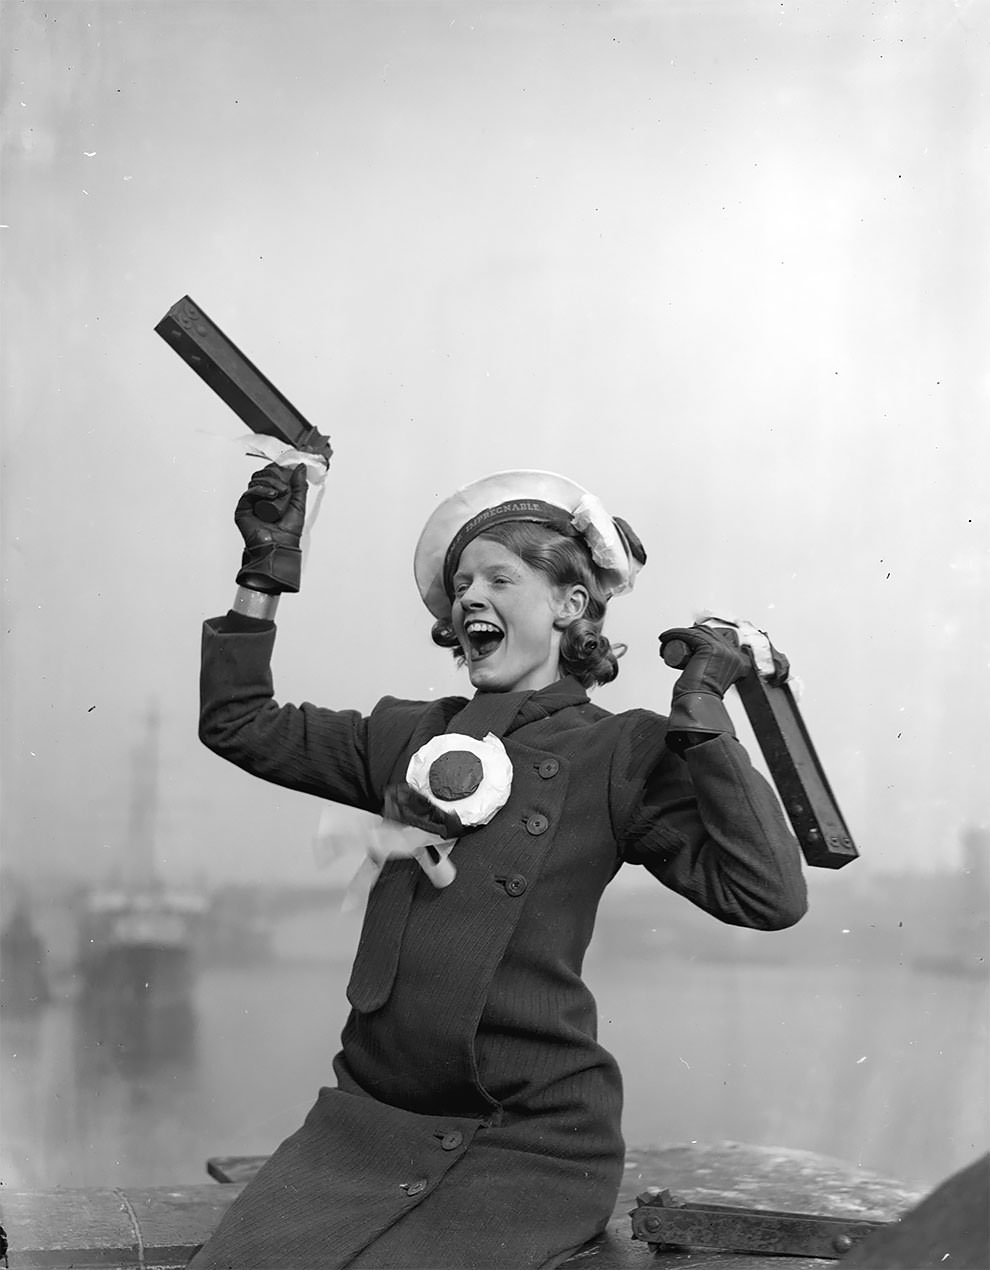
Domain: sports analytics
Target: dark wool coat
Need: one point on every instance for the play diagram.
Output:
(475, 1120)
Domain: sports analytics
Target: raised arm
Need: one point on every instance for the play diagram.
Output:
(308, 748)
(705, 823)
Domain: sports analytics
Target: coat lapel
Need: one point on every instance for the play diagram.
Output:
(501, 713)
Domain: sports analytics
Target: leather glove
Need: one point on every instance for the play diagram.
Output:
(409, 807)
(272, 559)
(714, 665)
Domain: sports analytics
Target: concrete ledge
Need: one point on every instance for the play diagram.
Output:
(160, 1228)
(154, 1227)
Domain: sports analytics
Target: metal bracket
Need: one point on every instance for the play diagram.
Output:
(666, 1221)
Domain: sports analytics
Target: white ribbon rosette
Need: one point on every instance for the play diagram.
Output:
(461, 777)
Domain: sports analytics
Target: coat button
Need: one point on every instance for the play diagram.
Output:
(414, 1188)
(547, 768)
(537, 824)
(451, 1141)
(516, 884)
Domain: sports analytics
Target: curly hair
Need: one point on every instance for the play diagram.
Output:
(585, 652)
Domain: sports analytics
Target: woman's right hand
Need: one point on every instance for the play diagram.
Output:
(273, 507)
(272, 559)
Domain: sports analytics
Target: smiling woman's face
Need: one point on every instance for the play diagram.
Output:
(504, 615)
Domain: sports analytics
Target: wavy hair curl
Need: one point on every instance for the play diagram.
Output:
(585, 652)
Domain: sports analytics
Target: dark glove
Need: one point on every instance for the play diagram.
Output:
(272, 559)
(714, 665)
(409, 807)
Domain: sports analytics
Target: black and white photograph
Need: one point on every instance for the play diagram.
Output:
(495, 679)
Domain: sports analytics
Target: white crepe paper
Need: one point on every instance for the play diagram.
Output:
(361, 851)
(261, 446)
(390, 840)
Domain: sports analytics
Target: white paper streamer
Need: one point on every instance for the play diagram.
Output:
(354, 848)
(391, 841)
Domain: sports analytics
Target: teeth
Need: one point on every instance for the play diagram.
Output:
(482, 626)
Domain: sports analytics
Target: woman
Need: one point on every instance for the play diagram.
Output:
(475, 1119)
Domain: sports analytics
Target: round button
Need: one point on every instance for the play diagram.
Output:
(516, 884)
(537, 824)
(451, 1141)
(548, 768)
(414, 1188)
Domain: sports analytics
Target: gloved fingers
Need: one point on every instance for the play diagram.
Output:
(686, 634)
(299, 487)
(698, 639)
(275, 481)
(253, 529)
(719, 639)
(283, 487)
(715, 661)
(410, 807)
(270, 481)
(770, 662)
(265, 485)
(676, 647)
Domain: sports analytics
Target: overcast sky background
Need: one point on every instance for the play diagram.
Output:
(723, 263)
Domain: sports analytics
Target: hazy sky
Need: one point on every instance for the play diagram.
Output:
(723, 263)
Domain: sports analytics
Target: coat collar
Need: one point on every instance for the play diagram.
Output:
(503, 712)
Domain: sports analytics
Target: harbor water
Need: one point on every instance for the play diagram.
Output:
(885, 1067)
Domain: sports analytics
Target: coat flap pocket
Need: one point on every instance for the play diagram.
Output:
(377, 956)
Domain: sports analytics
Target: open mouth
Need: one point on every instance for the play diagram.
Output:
(483, 638)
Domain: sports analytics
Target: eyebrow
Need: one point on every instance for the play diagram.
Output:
(506, 567)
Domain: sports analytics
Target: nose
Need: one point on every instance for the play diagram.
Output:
(471, 597)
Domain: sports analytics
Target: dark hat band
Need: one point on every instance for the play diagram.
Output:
(531, 509)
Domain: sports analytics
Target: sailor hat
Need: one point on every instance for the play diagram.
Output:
(542, 497)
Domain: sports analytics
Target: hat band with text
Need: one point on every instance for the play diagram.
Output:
(531, 509)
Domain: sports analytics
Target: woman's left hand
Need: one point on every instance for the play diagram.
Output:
(715, 660)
